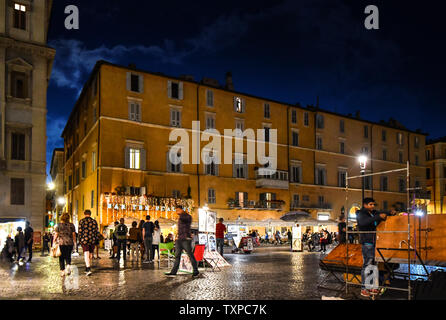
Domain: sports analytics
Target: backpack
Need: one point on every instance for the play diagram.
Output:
(121, 230)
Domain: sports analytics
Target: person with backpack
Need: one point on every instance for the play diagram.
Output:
(121, 236)
(135, 237)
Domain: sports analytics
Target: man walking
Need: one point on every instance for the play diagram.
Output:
(183, 242)
(368, 219)
(220, 230)
(121, 239)
(290, 239)
(46, 240)
(88, 231)
(29, 239)
(147, 235)
(342, 227)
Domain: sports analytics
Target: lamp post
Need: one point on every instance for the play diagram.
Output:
(362, 165)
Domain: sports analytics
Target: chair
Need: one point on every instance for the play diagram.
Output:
(166, 250)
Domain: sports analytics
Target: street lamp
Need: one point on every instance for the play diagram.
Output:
(61, 201)
(362, 165)
(51, 186)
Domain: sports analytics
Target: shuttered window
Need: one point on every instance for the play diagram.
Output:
(175, 118)
(134, 111)
(17, 146)
(209, 98)
(17, 191)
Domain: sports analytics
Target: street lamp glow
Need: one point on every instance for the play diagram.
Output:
(419, 213)
(362, 161)
(51, 186)
(61, 201)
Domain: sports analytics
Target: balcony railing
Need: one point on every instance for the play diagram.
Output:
(299, 205)
(260, 204)
(276, 180)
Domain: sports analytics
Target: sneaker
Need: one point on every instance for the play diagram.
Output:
(170, 274)
(89, 273)
(68, 270)
(195, 274)
(62, 273)
(112, 257)
(365, 293)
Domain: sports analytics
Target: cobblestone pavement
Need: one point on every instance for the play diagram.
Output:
(268, 273)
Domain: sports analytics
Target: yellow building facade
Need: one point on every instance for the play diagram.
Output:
(436, 175)
(118, 136)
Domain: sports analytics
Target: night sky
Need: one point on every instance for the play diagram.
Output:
(290, 51)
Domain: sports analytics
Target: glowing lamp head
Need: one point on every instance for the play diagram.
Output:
(51, 186)
(61, 201)
(419, 213)
(362, 161)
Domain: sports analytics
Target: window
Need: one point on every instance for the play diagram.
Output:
(384, 183)
(84, 169)
(175, 90)
(342, 147)
(306, 119)
(171, 167)
(444, 172)
(266, 112)
(94, 114)
(321, 200)
(296, 174)
(70, 182)
(417, 142)
(211, 196)
(342, 126)
(383, 135)
(296, 201)
(266, 129)
(176, 194)
(400, 157)
(417, 160)
(17, 191)
(399, 139)
(240, 170)
(19, 16)
(83, 202)
(92, 199)
(17, 146)
(319, 121)
(209, 98)
(293, 116)
(368, 183)
(77, 176)
(93, 161)
(428, 173)
(19, 87)
(321, 176)
(135, 82)
(268, 199)
(135, 159)
(401, 185)
(384, 155)
(366, 131)
(211, 167)
(174, 93)
(319, 143)
(428, 155)
(134, 111)
(306, 198)
(239, 105)
(342, 175)
(241, 198)
(365, 150)
(175, 118)
(295, 139)
(210, 121)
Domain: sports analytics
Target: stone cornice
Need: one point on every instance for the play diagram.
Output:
(33, 49)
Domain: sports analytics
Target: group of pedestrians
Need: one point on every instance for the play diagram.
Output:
(15, 249)
(138, 241)
(321, 239)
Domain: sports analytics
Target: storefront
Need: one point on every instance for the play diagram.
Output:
(8, 227)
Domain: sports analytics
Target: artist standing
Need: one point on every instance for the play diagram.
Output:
(368, 219)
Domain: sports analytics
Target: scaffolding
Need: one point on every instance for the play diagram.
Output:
(409, 247)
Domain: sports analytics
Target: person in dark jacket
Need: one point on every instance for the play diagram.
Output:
(184, 241)
(368, 219)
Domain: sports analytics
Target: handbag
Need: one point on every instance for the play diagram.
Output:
(55, 251)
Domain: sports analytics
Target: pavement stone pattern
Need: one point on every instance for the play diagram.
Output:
(269, 273)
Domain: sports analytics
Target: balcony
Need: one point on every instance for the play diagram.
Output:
(256, 205)
(299, 205)
(277, 180)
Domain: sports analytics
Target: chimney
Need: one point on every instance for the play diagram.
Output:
(229, 84)
(358, 114)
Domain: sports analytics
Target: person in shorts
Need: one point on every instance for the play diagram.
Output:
(88, 232)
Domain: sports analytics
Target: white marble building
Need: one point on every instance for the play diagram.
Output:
(25, 68)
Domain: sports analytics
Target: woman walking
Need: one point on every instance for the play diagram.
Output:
(156, 240)
(65, 236)
(135, 237)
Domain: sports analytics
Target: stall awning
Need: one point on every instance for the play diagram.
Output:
(305, 219)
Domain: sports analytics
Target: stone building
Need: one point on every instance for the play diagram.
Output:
(436, 174)
(25, 68)
(117, 138)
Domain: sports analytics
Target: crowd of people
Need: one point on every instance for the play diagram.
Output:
(15, 249)
(322, 238)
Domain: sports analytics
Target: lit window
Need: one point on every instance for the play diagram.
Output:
(238, 104)
(135, 155)
(19, 16)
